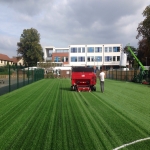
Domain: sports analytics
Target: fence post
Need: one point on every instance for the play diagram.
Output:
(35, 74)
(32, 76)
(17, 77)
(9, 78)
(121, 74)
(126, 74)
(28, 74)
(23, 77)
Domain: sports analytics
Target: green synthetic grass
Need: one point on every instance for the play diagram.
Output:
(46, 115)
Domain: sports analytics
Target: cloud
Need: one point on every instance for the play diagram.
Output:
(7, 45)
(64, 22)
(92, 21)
(29, 7)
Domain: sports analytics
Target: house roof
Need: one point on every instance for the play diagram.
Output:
(16, 59)
(4, 57)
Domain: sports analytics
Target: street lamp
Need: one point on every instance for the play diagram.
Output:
(146, 61)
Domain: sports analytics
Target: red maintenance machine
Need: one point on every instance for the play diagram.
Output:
(83, 79)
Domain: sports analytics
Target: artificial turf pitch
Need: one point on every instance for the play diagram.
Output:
(46, 115)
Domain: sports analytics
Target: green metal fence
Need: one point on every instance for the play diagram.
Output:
(14, 77)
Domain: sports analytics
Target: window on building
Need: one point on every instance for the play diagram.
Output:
(50, 55)
(116, 49)
(73, 59)
(110, 49)
(61, 50)
(108, 58)
(65, 50)
(79, 49)
(88, 58)
(118, 58)
(106, 49)
(98, 58)
(83, 49)
(114, 58)
(73, 50)
(66, 59)
(81, 59)
(57, 59)
(62, 59)
(58, 51)
(90, 49)
(98, 49)
(92, 58)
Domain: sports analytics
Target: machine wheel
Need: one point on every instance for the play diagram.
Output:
(94, 88)
(72, 88)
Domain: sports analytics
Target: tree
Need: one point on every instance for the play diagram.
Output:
(144, 27)
(144, 32)
(29, 47)
(130, 57)
(143, 52)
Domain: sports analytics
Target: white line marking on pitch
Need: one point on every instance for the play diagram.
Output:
(132, 143)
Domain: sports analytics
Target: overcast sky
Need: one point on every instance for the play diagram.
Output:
(65, 22)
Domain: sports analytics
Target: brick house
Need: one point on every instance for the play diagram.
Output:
(5, 60)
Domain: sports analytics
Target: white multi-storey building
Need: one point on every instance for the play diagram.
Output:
(106, 55)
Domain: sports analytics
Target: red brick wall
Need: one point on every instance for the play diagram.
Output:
(60, 55)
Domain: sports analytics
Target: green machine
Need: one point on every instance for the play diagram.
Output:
(143, 71)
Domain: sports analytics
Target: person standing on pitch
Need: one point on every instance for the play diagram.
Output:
(102, 78)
